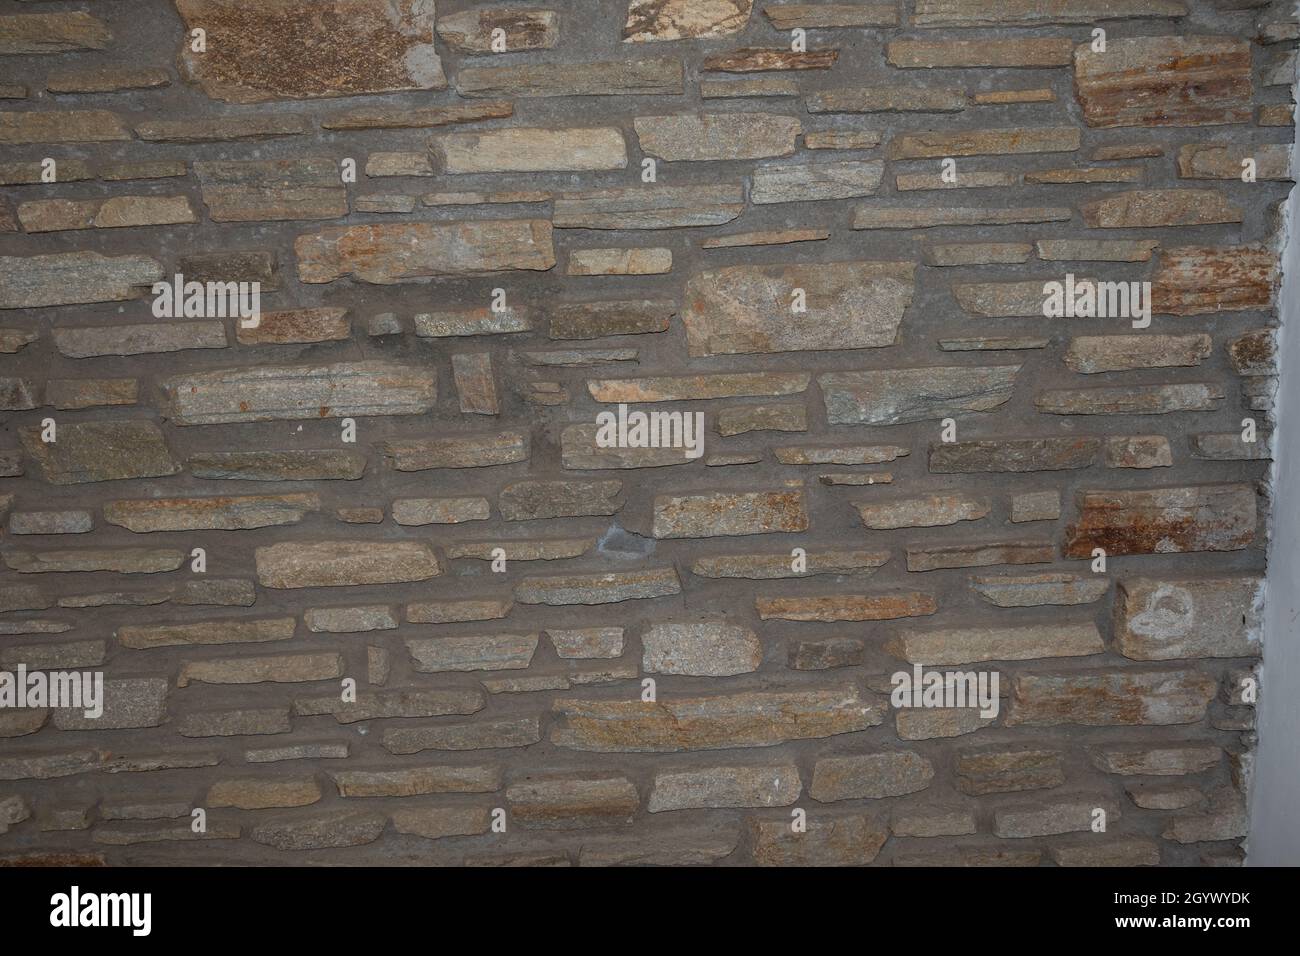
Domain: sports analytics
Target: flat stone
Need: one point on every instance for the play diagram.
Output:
(1096, 250)
(1160, 619)
(281, 669)
(457, 611)
(48, 766)
(822, 16)
(845, 839)
(223, 129)
(281, 50)
(717, 136)
(680, 388)
(297, 327)
(531, 500)
(762, 59)
(841, 139)
(131, 834)
(1089, 354)
(1045, 818)
(827, 654)
(310, 564)
(128, 702)
(593, 320)
(461, 451)
(1101, 698)
(649, 21)
(1004, 771)
(658, 75)
(1159, 207)
(485, 652)
(985, 142)
(505, 733)
(1253, 353)
(1130, 400)
(712, 88)
(911, 182)
(1010, 299)
(435, 823)
(948, 54)
(259, 794)
(551, 549)
(770, 237)
(386, 117)
(225, 514)
(472, 322)
(932, 821)
(897, 396)
(1036, 590)
(926, 512)
(1196, 280)
(587, 642)
(386, 704)
(608, 588)
(120, 560)
(472, 31)
(705, 649)
(235, 723)
(45, 33)
(1165, 81)
(1138, 451)
(336, 828)
(138, 339)
(387, 253)
(620, 262)
(1164, 796)
(51, 522)
(1121, 853)
(1028, 13)
(64, 126)
(1004, 97)
(272, 189)
(979, 555)
(1163, 520)
(814, 182)
(526, 150)
(1155, 761)
(56, 215)
(573, 803)
(206, 632)
(976, 253)
(717, 787)
(974, 645)
(743, 309)
(1228, 446)
(287, 392)
(1209, 161)
(410, 512)
(742, 419)
(779, 565)
(869, 776)
(719, 722)
(722, 513)
(75, 394)
(648, 207)
(1011, 455)
(939, 722)
(107, 79)
(925, 217)
(289, 465)
(1230, 822)
(1098, 174)
(847, 607)
(73, 278)
(416, 781)
(887, 99)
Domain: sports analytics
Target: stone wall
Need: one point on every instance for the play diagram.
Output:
(366, 580)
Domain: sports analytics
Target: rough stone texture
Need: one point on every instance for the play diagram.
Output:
(396, 476)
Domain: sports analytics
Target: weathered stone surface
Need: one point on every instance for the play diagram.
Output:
(924, 217)
(762, 59)
(723, 513)
(74, 394)
(107, 79)
(927, 512)
(71, 278)
(1160, 619)
(1130, 400)
(824, 655)
(1253, 353)
(744, 309)
(55, 215)
(192, 514)
(1045, 139)
(381, 705)
(349, 620)
(1101, 698)
(382, 117)
(1138, 451)
(1035, 590)
(297, 326)
(703, 649)
(1163, 520)
(526, 150)
(44, 33)
(1090, 354)
(655, 20)
(1099, 174)
(1013, 455)
(1194, 280)
(681, 388)
(416, 781)
(597, 588)
(1164, 81)
(620, 262)
(841, 139)
(129, 702)
(913, 182)
(1016, 13)
(1003, 771)
(388, 253)
(594, 320)
(1045, 818)
(1209, 161)
(1037, 52)
(1229, 446)
(487, 652)
(336, 828)
(471, 31)
(790, 16)
(979, 555)
(284, 668)
(260, 794)
(462, 451)
(741, 419)
(976, 253)
(714, 787)
(850, 839)
(717, 136)
(383, 164)
(207, 632)
(712, 88)
(435, 823)
(887, 99)
(272, 392)
(100, 451)
(812, 182)
(1096, 250)
(780, 565)
(289, 465)
(421, 511)
(870, 776)
(1123, 853)
(1155, 761)
(939, 722)
(504, 733)
(975, 645)
(897, 396)
(51, 522)
(573, 803)
(456, 611)
(472, 322)
(280, 50)
(649, 207)
(144, 338)
(659, 75)
(743, 719)
(1159, 207)
(222, 129)
(235, 723)
(48, 766)
(338, 563)
(847, 607)
(272, 189)
(66, 126)
(1009, 299)
(586, 642)
(530, 500)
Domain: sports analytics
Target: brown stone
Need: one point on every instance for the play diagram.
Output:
(1163, 520)
(471, 31)
(1159, 207)
(1111, 697)
(1194, 280)
(758, 60)
(657, 20)
(717, 136)
(340, 563)
(1037, 52)
(984, 142)
(847, 607)
(660, 75)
